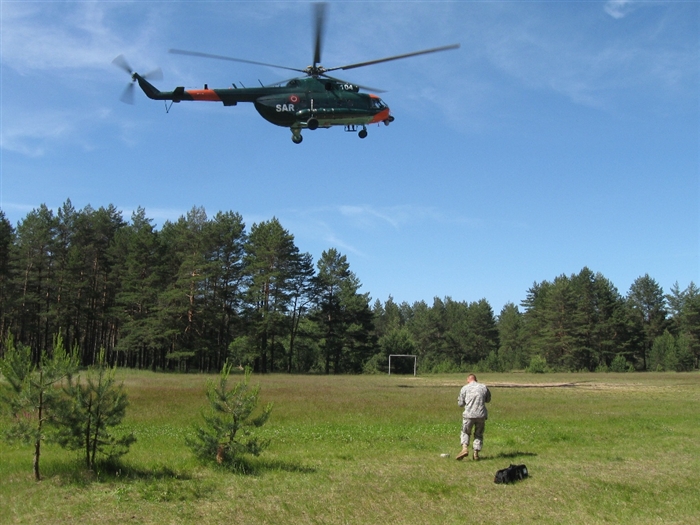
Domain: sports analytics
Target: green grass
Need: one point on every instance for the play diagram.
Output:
(615, 448)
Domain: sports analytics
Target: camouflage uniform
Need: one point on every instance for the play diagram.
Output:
(473, 397)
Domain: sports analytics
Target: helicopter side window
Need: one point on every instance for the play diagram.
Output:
(292, 83)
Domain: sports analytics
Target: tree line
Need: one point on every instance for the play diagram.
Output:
(200, 291)
(573, 323)
(191, 295)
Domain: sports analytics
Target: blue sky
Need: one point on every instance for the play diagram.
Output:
(560, 135)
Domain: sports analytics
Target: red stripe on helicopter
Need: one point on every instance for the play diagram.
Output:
(380, 117)
(204, 94)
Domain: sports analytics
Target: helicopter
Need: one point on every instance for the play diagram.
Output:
(315, 100)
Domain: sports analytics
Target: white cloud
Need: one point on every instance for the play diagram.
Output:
(14, 208)
(51, 36)
(33, 133)
(365, 224)
(368, 216)
(334, 241)
(618, 8)
(592, 63)
(29, 134)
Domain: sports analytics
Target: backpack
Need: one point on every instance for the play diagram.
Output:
(511, 474)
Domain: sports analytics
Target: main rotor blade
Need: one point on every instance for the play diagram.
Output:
(230, 59)
(320, 10)
(366, 88)
(397, 57)
(280, 83)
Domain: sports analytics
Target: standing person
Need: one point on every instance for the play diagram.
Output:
(473, 397)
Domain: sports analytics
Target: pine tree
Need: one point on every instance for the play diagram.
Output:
(303, 293)
(92, 409)
(183, 305)
(558, 336)
(7, 238)
(91, 262)
(684, 306)
(647, 306)
(343, 316)
(482, 326)
(427, 331)
(511, 351)
(272, 260)
(142, 278)
(228, 431)
(226, 240)
(34, 279)
(32, 398)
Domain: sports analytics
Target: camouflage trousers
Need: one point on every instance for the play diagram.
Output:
(476, 423)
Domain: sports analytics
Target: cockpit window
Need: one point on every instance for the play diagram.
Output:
(378, 104)
(293, 82)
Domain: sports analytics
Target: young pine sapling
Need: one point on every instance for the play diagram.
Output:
(227, 433)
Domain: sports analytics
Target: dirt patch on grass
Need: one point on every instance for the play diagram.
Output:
(583, 385)
(595, 386)
(533, 385)
(456, 384)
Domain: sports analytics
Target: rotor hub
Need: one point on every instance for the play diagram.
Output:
(315, 71)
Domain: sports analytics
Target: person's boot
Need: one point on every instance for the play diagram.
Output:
(476, 455)
(463, 454)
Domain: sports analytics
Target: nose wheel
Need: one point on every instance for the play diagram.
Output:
(362, 133)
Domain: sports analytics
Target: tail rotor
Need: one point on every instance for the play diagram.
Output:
(128, 94)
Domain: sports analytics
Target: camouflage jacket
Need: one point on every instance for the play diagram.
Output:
(473, 397)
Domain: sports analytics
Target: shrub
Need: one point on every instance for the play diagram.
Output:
(684, 354)
(538, 365)
(492, 363)
(663, 353)
(619, 364)
(375, 364)
(446, 367)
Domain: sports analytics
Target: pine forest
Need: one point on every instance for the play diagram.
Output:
(202, 291)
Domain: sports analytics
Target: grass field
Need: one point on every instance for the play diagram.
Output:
(610, 448)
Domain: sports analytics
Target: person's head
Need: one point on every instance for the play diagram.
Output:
(471, 378)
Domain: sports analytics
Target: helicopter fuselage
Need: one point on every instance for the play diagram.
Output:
(303, 103)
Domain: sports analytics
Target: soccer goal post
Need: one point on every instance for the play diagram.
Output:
(415, 361)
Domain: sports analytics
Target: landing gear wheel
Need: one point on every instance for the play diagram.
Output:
(296, 134)
(312, 124)
(362, 133)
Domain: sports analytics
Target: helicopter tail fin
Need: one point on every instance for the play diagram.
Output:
(149, 89)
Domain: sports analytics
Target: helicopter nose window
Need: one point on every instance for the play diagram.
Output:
(378, 104)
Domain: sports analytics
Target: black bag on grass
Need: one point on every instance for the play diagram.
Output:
(511, 474)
